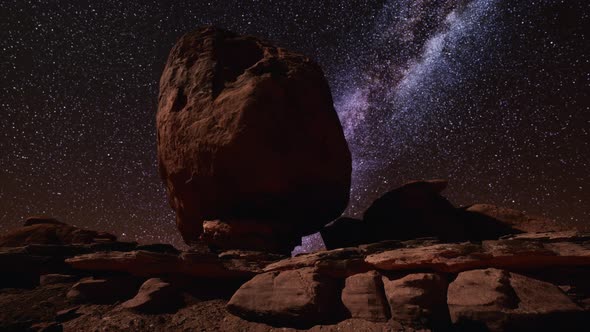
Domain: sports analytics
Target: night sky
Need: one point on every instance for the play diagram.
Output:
(490, 94)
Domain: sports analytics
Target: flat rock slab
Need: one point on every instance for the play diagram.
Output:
(338, 262)
(234, 264)
(457, 257)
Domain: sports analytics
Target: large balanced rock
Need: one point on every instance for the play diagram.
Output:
(248, 131)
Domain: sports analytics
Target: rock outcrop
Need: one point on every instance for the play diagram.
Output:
(104, 290)
(301, 297)
(408, 281)
(50, 231)
(247, 132)
(155, 296)
(527, 281)
(363, 298)
(485, 220)
(414, 210)
(417, 209)
(498, 300)
(418, 300)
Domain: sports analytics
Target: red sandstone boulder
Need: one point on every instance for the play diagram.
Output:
(414, 210)
(155, 296)
(248, 131)
(300, 298)
(418, 300)
(363, 297)
(497, 300)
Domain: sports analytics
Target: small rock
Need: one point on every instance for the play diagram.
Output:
(364, 298)
(299, 298)
(155, 296)
(418, 300)
(104, 291)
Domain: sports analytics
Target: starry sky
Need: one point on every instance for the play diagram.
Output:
(490, 94)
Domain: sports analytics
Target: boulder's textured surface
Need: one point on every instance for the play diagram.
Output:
(418, 300)
(363, 297)
(155, 296)
(248, 131)
(497, 300)
(300, 297)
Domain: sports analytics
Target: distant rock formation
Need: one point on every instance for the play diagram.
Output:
(247, 132)
(417, 209)
(44, 230)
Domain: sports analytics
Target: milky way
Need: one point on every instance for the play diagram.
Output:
(491, 94)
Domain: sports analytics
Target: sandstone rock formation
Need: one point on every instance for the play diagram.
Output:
(363, 297)
(413, 210)
(498, 300)
(486, 219)
(247, 131)
(104, 290)
(45, 230)
(300, 297)
(155, 296)
(418, 300)
(417, 209)
(521, 282)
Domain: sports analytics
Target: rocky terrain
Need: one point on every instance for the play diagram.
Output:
(524, 281)
(253, 157)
